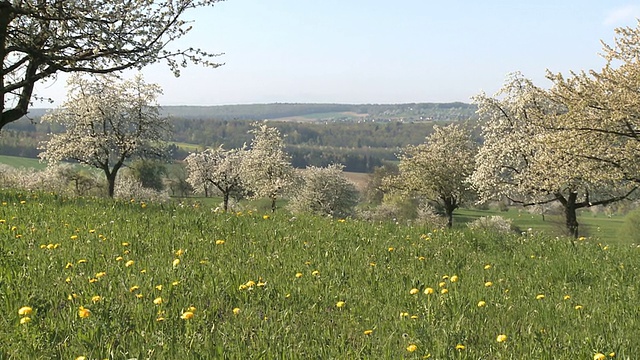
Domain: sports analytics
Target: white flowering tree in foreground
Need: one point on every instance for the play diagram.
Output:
(39, 39)
(603, 108)
(528, 162)
(438, 169)
(267, 166)
(107, 122)
(220, 169)
(324, 191)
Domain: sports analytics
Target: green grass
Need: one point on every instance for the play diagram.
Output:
(22, 162)
(56, 254)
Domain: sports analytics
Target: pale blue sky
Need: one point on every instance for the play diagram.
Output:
(373, 51)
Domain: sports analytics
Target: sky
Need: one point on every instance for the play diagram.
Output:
(373, 51)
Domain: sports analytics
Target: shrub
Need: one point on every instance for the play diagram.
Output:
(491, 224)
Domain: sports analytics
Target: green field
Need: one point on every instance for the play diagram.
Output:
(120, 280)
(22, 162)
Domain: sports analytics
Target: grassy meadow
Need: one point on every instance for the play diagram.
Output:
(105, 279)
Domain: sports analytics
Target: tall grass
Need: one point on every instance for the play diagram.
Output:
(277, 286)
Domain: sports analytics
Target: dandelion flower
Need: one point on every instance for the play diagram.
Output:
(414, 317)
(391, 249)
(134, 288)
(96, 298)
(315, 273)
(25, 310)
(81, 358)
(100, 274)
(428, 291)
(176, 262)
(501, 338)
(412, 348)
(540, 297)
(159, 287)
(159, 319)
(139, 296)
(368, 332)
(219, 242)
(444, 291)
(68, 265)
(175, 283)
(187, 315)
(83, 312)
(454, 278)
(250, 283)
(129, 263)
(612, 354)
(119, 258)
(298, 275)
(73, 237)
(158, 301)
(487, 267)
(191, 308)
(125, 244)
(266, 217)
(460, 347)
(25, 320)
(578, 307)
(340, 304)
(82, 261)
(236, 311)
(92, 280)
(442, 284)
(599, 356)
(179, 252)
(488, 284)
(414, 291)
(482, 303)
(566, 297)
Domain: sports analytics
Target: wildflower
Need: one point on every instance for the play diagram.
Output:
(119, 258)
(265, 217)
(236, 311)
(25, 310)
(540, 297)
(444, 291)
(315, 273)
(261, 284)
(51, 246)
(125, 244)
(100, 274)
(176, 262)
(340, 304)
(578, 307)
(143, 271)
(482, 303)
(391, 249)
(159, 287)
(403, 314)
(421, 258)
(67, 280)
(454, 278)
(81, 358)
(219, 242)
(134, 288)
(191, 308)
(368, 332)
(501, 338)
(250, 283)
(160, 318)
(612, 354)
(428, 291)
(25, 320)
(298, 275)
(139, 296)
(412, 348)
(488, 284)
(187, 315)
(96, 298)
(413, 291)
(566, 297)
(157, 301)
(82, 261)
(599, 356)
(442, 284)
(414, 317)
(129, 263)
(460, 347)
(487, 267)
(83, 313)
(179, 252)
(91, 231)
(175, 283)
(92, 280)
(73, 237)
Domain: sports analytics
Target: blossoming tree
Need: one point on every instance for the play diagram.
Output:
(107, 122)
(529, 162)
(223, 169)
(39, 39)
(438, 169)
(267, 166)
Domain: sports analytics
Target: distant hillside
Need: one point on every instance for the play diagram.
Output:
(317, 112)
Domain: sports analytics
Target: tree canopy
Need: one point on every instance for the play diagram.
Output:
(39, 39)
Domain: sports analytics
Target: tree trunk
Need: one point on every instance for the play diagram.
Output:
(273, 204)
(111, 181)
(450, 206)
(225, 203)
(571, 218)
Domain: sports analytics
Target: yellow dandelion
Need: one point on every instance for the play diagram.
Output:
(421, 258)
(599, 356)
(442, 284)
(158, 301)
(454, 278)
(81, 358)
(482, 303)
(176, 262)
(125, 244)
(501, 338)
(539, 296)
(414, 291)
(119, 258)
(51, 246)
(73, 237)
(96, 298)
(428, 291)
(414, 317)
(266, 217)
(566, 297)
(82, 261)
(159, 319)
(612, 354)
(191, 308)
(159, 287)
(236, 311)
(187, 315)
(250, 283)
(92, 280)
(412, 348)
(175, 283)
(67, 280)
(139, 296)
(143, 271)
(179, 252)
(25, 320)
(129, 263)
(298, 275)
(315, 273)
(487, 267)
(340, 304)
(444, 291)
(404, 314)
(91, 231)
(488, 284)
(25, 310)
(368, 332)
(219, 242)
(69, 265)
(100, 274)
(83, 312)
(578, 307)
(460, 347)
(242, 287)
(391, 249)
